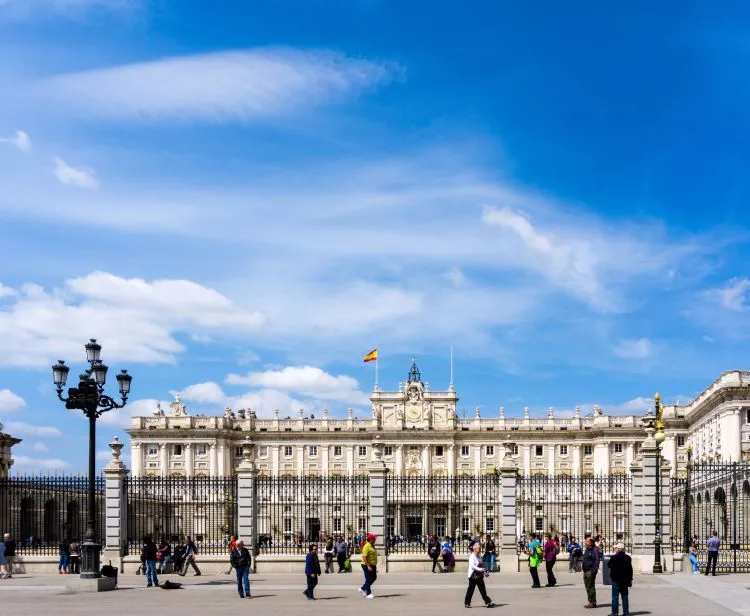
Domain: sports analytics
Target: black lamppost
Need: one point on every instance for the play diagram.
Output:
(655, 426)
(90, 398)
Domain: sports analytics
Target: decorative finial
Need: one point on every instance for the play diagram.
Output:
(578, 411)
(350, 413)
(657, 397)
(502, 412)
(116, 446)
(551, 413)
(414, 375)
(526, 412)
(476, 412)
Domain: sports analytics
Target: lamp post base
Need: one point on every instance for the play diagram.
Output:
(90, 565)
(657, 557)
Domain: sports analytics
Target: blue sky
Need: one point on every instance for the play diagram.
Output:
(240, 202)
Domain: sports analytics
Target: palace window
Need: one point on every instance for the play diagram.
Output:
(588, 450)
(263, 451)
(177, 450)
(539, 451)
(238, 452)
(287, 525)
(362, 451)
(538, 524)
(336, 525)
(202, 449)
(563, 450)
(514, 449)
(388, 450)
(337, 449)
(465, 525)
(313, 450)
(153, 450)
(620, 524)
(287, 451)
(618, 447)
(464, 451)
(489, 525)
(489, 450)
(680, 441)
(439, 451)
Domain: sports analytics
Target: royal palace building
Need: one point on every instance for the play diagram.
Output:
(422, 435)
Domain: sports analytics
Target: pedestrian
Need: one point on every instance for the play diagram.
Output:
(477, 573)
(328, 554)
(693, 555)
(148, 556)
(446, 551)
(489, 554)
(551, 550)
(312, 571)
(590, 566)
(163, 556)
(241, 559)
(535, 553)
(621, 576)
(64, 557)
(369, 566)
(2, 560)
(574, 553)
(433, 551)
(342, 552)
(10, 554)
(713, 552)
(74, 549)
(191, 551)
(231, 544)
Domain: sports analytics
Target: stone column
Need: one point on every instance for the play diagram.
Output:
(399, 460)
(527, 460)
(247, 502)
(221, 459)
(477, 460)
(116, 508)
(136, 450)
(212, 460)
(189, 459)
(551, 455)
(508, 557)
(164, 459)
(300, 460)
(451, 460)
(426, 454)
(378, 497)
(576, 466)
(324, 460)
(350, 460)
(276, 460)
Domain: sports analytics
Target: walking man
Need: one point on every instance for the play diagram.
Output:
(535, 557)
(590, 566)
(369, 566)
(713, 552)
(621, 576)
(240, 559)
(191, 550)
(148, 557)
(312, 571)
(341, 552)
(10, 554)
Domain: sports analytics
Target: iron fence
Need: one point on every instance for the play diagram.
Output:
(41, 512)
(174, 508)
(574, 507)
(458, 507)
(713, 497)
(296, 511)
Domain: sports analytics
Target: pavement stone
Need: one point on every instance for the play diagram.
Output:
(417, 593)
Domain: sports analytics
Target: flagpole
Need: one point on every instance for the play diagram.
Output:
(377, 362)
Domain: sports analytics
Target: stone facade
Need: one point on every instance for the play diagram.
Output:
(6, 458)
(421, 434)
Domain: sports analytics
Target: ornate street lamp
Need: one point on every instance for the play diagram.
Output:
(654, 424)
(90, 398)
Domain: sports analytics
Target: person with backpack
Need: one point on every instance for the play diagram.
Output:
(148, 557)
(446, 551)
(550, 558)
(590, 565)
(74, 550)
(241, 559)
(312, 571)
(535, 557)
(191, 551)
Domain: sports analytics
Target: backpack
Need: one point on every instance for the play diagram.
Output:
(170, 585)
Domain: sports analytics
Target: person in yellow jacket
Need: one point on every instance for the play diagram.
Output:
(369, 566)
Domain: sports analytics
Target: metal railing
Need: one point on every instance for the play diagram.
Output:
(42, 512)
(174, 508)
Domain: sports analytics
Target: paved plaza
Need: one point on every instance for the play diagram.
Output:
(417, 593)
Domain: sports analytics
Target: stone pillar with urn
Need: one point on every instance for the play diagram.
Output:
(378, 496)
(247, 500)
(116, 508)
(508, 557)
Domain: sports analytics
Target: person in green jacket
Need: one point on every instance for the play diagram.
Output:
(369, 566)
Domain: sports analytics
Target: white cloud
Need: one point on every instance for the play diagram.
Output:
(144, 407)
(640, 348)
(20, 428)
(248, 357)
(733, 296)
(28, 465)
(21, 140)
(220, 87)
(7, 291)
(204, 393)
(135, 320)
(306, 381)
(455, 276)
(10, 402)
(262, 401)
(40, 447)
(80, 177)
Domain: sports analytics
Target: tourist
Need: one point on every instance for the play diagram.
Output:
(148, 556)
(231, 541)
(574, 553)
(74, 549)
(535, 553)
(10, 554)
(342, 552)
(446, 551)
(191, 551)
(64, 559)
(369, 566)
(551, 551)
(489, 554)
(2, 560)
(590, 566)
(693, 555)
(328, 554)
(312, 571)
(241, 559)
(713, 552)
(433, 551)
(477, 573)
(621, 576)
(163, 556)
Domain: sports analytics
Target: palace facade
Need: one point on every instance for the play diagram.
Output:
(6, 459)
(422, 435)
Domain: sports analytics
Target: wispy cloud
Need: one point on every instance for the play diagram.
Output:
(82, 177)
(455, 276)
(732, 296)
(20, 140)
(21, 428)
(640, 348)
(221, 87)
(26, 464)
(10, 402)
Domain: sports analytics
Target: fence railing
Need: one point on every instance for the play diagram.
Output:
(296, 511)
(575, 506)
(458, 507)
(174, 508)
(42, 512)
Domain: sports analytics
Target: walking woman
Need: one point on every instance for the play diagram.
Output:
(312, 571)
(477, 573)
(550, 558)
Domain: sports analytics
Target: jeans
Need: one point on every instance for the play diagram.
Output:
(712, 558)
(370, 577)
(616, 592)
(489, 562)
(151, 573)
(312, 582)
(243, 581)
(693, 561)
(62, 565)
(478, 583)
(589, 581)
(164, 567)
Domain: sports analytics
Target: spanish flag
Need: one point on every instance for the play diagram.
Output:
(372, 355)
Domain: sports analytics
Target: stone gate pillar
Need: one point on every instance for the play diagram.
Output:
(378, 497)
(247, 501)
(115, 531)
(508, 557)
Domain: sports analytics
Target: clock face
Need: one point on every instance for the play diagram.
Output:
(413, 413)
